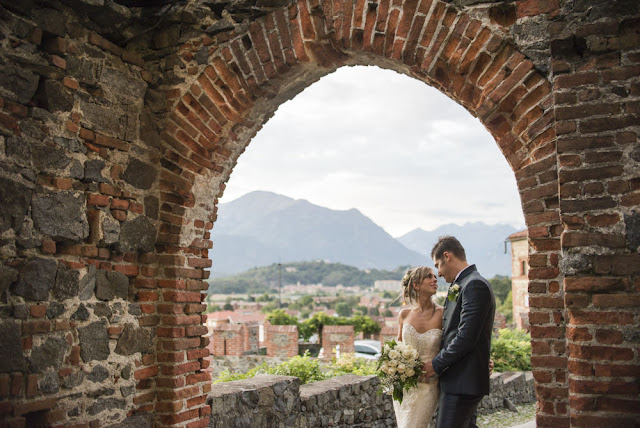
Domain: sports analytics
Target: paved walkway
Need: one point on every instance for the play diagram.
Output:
(530, 424)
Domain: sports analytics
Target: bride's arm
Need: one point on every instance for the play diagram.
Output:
(401, 317)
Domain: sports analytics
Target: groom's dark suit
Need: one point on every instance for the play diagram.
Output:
(463, 362)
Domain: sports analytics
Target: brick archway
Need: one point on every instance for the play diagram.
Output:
(213, 119)
(117, 136)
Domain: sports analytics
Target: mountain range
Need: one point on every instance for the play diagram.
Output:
(261, 228)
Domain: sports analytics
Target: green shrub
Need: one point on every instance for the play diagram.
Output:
(307, 369)
(511, 351)
(350, 364)
(304, 367)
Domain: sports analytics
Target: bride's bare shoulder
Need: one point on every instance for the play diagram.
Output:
(403, 313)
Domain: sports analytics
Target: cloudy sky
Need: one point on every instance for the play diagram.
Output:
(396, 149)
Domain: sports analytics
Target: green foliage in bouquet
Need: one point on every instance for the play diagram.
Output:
(511, 351)
(398, 368)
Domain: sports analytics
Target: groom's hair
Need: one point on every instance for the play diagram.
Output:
(449, 244)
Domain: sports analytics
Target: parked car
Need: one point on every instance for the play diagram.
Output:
(369, 349)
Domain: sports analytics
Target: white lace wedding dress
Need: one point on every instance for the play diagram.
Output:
(419, 403)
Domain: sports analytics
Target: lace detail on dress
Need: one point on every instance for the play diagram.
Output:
(419, 403)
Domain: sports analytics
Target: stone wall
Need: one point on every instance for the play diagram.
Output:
(120, 125)
(344, 401)
(271, 401)
(240, 364)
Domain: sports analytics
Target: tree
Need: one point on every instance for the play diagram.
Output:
(501, 286)
(387, 313)
(364, 324)
(507, 308)
(343, 309)
(228, 307)
(280, 317)
(269, 307)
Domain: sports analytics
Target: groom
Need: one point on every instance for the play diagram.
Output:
(463, 361)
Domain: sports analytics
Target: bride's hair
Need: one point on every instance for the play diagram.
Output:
(413, 276)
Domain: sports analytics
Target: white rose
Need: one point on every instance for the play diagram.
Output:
(391, 371)
(387, 348)
(403, 377)
(414, 355)
(393, 354)
(392, 363)
(407, 354)
(410, 372)
(401, 368)
(383, 368)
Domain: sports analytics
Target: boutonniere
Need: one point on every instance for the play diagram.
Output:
(453, 292)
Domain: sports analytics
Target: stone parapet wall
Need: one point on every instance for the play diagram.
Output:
(517, 387)
(344, 401)
(271, 401)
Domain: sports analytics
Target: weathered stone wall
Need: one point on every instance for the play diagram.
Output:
(344, 401)
(271, 401)
(120, 125)
(240, 364)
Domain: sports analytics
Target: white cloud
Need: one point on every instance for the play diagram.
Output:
(396, 149)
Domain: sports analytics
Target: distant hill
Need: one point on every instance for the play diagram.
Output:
(262, 228)
(484, 244)
(261, 279)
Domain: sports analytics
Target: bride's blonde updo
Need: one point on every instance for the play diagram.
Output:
(413, 276)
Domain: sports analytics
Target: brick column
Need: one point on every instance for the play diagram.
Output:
(333, 335)
(281, 340)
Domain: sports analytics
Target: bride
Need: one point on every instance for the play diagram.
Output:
(421, 327)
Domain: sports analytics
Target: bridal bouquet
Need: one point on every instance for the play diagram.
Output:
(398, 368)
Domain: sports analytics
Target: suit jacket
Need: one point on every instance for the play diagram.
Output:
(463, 361)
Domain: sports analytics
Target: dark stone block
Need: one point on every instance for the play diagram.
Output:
(49, 156)
(11, 356)
(98, 374)
(635, 154)
(110, 285)
(61, 215)
(106, 404)
(49, 384)
(125, 373)
(140, 420)
(73, 145)
(16, 199)
(67, 282)
(37, 277)
(93, 171)
(632, 223)
(94, 342)
(102, 310)
(102, 392)
(122, 85)
(74, 379)
(21, 312)
(110, 230)
(137, 235)
(87, 283)
(134, 309)
(19, 150)
(151, 207)
(54, 310)
(76, 171)
(17, 84)
(54, 96)
(133, 340)
(51, 21)
(81, 69)
(127, 390)
(81, 314)
(49, 354)
(139, 174)
(104, 119)
(8, 276)
(27, 238)
(23, 7)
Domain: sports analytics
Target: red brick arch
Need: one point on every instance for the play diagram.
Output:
(214, 116)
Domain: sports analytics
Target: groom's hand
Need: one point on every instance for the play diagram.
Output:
(427, 370)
